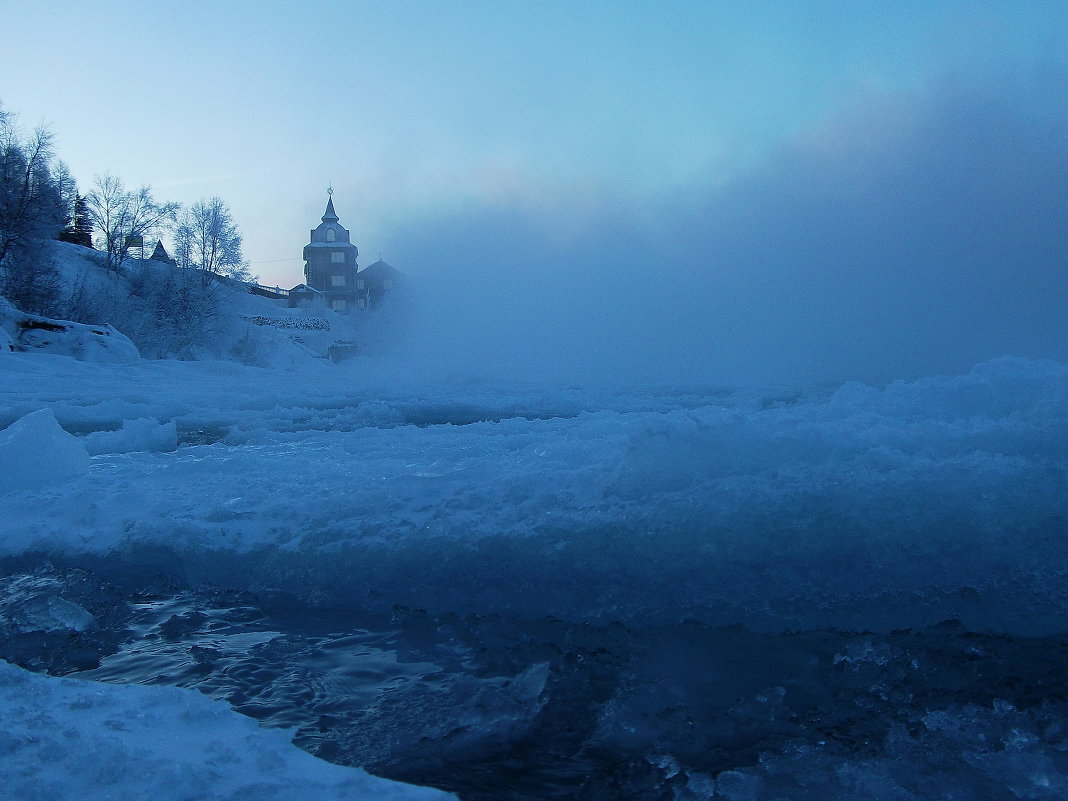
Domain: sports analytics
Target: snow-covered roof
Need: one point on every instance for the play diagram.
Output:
(336, 244)
(381, 267)
(160, 252)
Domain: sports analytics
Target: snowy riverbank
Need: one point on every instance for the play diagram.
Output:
(67, 739)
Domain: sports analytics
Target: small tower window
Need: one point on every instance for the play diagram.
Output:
(331, 235)
(337, 280)
(337, 257)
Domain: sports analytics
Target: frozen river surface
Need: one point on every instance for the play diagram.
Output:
(506, 593)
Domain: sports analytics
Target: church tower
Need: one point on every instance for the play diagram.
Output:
(330, 262)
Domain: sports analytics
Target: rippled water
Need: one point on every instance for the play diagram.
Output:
(492, 707)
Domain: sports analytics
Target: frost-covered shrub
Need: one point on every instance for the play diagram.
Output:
(168, 312)
(301, 323)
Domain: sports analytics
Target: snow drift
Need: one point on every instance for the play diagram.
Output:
(91, 343)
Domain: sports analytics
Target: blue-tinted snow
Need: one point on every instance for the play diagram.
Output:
(862, 507)
(35, 452)
(66, 739)
(90, 343)
(530, 524)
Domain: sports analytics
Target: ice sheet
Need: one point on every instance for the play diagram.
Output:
(865, 507)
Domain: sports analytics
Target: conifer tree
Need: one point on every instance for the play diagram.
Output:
(80, 229)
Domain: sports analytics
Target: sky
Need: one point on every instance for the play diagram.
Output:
(777, 191)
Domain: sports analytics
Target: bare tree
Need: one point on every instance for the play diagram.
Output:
(207, 239)
(32, 211)
(67, 189)
(118, 214)
(31, 201)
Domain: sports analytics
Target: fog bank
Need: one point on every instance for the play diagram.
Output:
(907, 236)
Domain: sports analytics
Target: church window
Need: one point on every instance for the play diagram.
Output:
(337, 280)
(331, 235)
(337, 257)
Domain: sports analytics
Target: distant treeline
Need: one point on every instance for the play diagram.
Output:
(167, 308)
(40, 201)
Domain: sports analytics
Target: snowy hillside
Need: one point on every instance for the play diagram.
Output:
(168, 313)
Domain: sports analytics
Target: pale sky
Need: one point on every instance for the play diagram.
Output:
(404, 106)
(521, 132)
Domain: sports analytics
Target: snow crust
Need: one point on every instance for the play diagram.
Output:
(36, 452)
(863, 507)
(136, 435)
(66, 738)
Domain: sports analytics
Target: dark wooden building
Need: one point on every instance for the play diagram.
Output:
(160, 254)
(333, 275)
(330, 262)
(377, 281)
(304, 296)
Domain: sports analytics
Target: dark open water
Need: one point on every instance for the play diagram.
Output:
(492, 707)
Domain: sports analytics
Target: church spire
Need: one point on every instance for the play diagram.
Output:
(330, 216)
